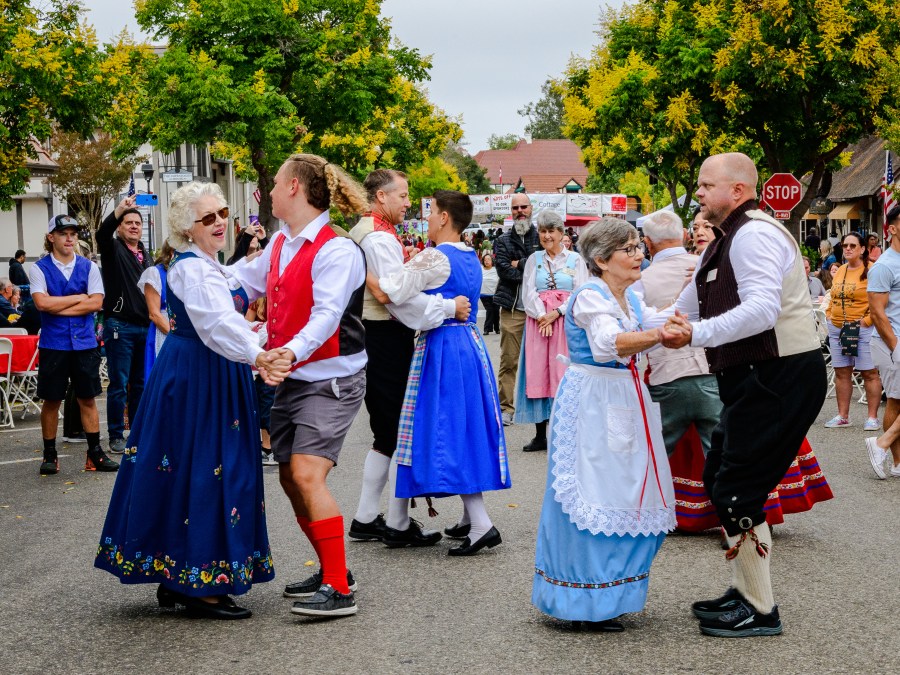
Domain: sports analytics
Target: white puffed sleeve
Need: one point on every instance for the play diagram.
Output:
(429, 269)
(603, 320)
(151, 277)
(534, 306)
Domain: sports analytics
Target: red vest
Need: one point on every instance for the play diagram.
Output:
(290, 297)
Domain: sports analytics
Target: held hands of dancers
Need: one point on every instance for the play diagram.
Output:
(677, 332)
(274, 365)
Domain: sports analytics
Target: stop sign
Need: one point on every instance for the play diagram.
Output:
(782, 192)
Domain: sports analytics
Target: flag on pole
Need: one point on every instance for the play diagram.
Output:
(887, 193)
(257, 195)
(131, 189)
(501, 175)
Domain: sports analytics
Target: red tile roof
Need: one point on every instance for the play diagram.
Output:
(543, 183)
(539, 158)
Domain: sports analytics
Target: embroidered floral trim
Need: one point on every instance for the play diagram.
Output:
(236, 424)
(583, 515)
(130, 454)
(578, 584)
(235, 516)
(161, 566)
(218, 472)
(165, 465)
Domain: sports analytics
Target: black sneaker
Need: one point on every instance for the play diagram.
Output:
(712, 609)
(373, 531)
(326, 602)
(97, 460)
(49, 467)
(411, 536)
(743, 621)
(307, 587)
(536, 445)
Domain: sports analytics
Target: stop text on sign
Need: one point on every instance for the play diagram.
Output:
(782, 192)
(778, 192)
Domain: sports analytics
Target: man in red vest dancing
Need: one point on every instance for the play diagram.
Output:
(314, 281)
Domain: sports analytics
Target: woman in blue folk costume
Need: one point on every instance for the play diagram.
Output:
(609, 499)
(451, 438)
(187, 511)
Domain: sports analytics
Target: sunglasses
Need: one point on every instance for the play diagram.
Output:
(521, 208)
(850, 246)
(210, 218)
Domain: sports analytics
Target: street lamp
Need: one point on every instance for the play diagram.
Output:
(147, 168)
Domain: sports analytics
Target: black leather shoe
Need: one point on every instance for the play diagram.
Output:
(608, 626)
(712, 609)
(225, 608)
(411, 536)
(458, 531)
(490, 539)
(536, 445)
(373, 531)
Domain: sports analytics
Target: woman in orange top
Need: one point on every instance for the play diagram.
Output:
(874, 248)
(849, 305)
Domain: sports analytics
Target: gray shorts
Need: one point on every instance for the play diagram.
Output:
(312, 418)
(887, 369)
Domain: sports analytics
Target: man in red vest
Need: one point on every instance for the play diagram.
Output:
(314, 280)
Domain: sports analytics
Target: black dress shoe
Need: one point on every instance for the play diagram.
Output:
(373, 531)
(224, 608)
(608, 626)
(411, 536)
(458, 531)
(490, 539)
(536, 445)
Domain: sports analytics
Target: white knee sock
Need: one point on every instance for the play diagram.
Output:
(751, 569)
(375, 475)
(480, 521)
(464, 519)
(398, 509)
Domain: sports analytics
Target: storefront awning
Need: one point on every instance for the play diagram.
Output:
(847, 211)
(812, 216)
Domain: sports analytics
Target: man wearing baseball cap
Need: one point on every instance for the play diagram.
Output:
(67, 289)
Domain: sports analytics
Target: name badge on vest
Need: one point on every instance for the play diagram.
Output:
(711, 275)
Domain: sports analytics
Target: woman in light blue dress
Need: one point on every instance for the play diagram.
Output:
(609, 499)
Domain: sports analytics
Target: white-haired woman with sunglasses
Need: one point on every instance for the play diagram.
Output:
(609, 499)
(188, 511)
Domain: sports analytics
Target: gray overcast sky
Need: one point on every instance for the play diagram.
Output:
(490, 56)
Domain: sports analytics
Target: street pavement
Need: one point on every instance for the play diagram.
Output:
(420, 611)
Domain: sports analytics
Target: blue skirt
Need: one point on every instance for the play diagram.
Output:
(188, 509)
(458, 445)
(529, 410)
(579, 576)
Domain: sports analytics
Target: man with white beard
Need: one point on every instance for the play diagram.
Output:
(510, 251)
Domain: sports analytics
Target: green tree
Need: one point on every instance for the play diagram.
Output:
(545, 116)
(505, 142)
(468, 169)
(47, 76)
(792, 83)
(259, 80)
(90, 175)
(433, 174)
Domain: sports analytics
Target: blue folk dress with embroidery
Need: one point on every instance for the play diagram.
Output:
(534, 410)
(188, 510)
(609, 500)
(451, 438)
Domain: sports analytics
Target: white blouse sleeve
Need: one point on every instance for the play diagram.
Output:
(534, 306)
(600, 318)
(429, 269)
(151, 277)
(209, 305)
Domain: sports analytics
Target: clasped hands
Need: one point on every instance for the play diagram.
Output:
(677, 332)
(545, 323)
(274, 365)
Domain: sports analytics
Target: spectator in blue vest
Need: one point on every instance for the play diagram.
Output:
(67, 290)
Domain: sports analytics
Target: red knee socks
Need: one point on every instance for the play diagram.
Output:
(327, 538)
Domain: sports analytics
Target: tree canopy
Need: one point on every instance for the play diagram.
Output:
(545, 116)
(504, 142)
(260, 80)
(433, 174)
(468, 169)
(790, 82)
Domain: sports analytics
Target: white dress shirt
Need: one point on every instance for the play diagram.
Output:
(534, 306)
(202, 285)
(761, 257)
(38, 282)
(337, 271)
(429, 269)
(384, 256)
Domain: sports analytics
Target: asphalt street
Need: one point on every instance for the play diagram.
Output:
(420, 611)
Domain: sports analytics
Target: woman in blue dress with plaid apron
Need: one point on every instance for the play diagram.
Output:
(188, 511)
(451, 438)
(609, 499)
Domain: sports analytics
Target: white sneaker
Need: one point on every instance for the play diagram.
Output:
(268, 459)
(837, 422)
(507, 419)
(877, 456)
(895, 471)
(872, 424)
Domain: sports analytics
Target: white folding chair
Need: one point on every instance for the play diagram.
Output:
(6, 413)
(822, 330)
(24, 386)
(13, 331)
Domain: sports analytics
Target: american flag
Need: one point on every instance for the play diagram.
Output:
(131, 189)
(887, 193)
(257, 195)
(501, 174)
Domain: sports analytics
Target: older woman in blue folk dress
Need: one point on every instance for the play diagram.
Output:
(609, 499)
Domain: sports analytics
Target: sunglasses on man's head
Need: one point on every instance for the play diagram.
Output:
(210, 218)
